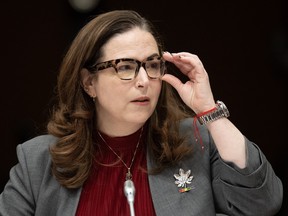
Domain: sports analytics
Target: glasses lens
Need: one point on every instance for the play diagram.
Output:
(126, 69)
(155, 68)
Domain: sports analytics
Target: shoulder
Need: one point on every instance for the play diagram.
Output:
(37, 145)
(33, 168)
(32, 183)
(36, 150)
(40, 141)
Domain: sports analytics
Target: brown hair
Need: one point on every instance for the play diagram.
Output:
(73, 118)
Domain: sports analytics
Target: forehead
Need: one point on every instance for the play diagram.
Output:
(136, 43)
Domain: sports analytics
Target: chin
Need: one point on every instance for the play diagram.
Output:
(139, 117)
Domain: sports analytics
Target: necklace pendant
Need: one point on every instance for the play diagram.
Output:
(128, 175)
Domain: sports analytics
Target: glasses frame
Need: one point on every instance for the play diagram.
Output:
(113, 63)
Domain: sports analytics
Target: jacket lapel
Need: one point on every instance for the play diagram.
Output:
(162, 191)
(68, 201)
(168, 200)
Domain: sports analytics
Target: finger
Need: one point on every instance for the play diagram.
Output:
(181, 56)
(185, 62)
(173, 81)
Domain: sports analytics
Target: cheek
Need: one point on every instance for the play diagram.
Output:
(157, 88)
(110, 92)
(105, 85)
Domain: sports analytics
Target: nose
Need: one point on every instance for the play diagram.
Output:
(142, 78)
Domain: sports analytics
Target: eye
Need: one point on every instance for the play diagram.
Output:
(155, 65)
(126, 66)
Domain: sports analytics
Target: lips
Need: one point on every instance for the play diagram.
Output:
(141, 99)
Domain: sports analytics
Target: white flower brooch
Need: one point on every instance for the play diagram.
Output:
(182, 179)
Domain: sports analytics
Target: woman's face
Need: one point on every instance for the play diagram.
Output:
(120, 103)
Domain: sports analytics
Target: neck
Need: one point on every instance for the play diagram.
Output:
(117, 130)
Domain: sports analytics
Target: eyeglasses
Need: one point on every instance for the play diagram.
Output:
(128, 69)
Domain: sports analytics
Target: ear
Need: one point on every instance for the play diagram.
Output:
(87, 82)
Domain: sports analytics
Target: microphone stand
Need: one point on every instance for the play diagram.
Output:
(129, 191)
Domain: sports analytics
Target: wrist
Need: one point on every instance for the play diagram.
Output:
(217, 112)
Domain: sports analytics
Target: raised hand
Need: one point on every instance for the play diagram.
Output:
(196, 92)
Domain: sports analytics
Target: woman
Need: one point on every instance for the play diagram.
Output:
(118, 130)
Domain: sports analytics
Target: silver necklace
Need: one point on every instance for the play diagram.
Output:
(128, 174)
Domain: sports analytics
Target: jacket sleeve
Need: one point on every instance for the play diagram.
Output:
(17, 197)
(255, 190)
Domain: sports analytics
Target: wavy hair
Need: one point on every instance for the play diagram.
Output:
(73, 117)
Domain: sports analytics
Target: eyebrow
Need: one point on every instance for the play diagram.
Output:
(152, 56)
(147, 59)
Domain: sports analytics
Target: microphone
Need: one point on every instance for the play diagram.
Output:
(129, 191)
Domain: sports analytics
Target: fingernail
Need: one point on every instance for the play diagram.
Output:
(166, 52)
